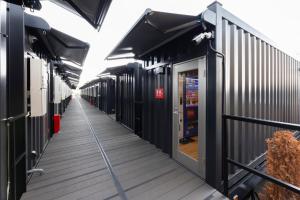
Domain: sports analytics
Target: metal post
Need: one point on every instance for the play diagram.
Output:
(224, 156)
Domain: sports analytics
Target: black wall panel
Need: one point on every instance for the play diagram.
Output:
(129, 97)
(3, 103)
(157, 118)
(16, 79)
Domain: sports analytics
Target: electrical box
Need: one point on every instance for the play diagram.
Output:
(38, 87)
(57, 89)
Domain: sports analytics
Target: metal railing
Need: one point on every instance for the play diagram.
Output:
(227, 161)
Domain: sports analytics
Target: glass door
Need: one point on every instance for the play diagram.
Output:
(189, 95)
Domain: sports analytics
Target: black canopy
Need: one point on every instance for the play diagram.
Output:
(67, 47)
(117, 70)
(32, 4)
(57, 45)
(69, 73)
(35, 22)
(70, 68)
(94, 11)
(152, 30)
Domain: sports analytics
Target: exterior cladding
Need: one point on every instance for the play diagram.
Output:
(108, 95)
(129, 98)
(157, 113)
(261, 82)
(125, 100)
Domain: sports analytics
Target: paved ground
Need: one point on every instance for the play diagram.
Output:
(78, 168)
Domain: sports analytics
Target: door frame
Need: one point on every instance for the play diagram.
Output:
(199, 166)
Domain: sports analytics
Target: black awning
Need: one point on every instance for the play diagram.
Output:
(36, 5)
(118, 70)
(55, 44)
(68, 73)
(67, 47)
(36, 22)
(94, 11)
(70, 68)
(152, 30)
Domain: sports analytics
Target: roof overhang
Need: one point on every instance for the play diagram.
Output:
(117, 70)
(93, 11)
(151, 30)
(57, 45)
(68, 68)
(35, 22)
(155, 29)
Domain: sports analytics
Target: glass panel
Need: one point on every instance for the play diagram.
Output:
(188, 113)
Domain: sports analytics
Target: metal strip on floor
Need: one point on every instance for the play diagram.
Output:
(106, 160)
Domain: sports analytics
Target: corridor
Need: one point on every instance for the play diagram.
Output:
(95, 157)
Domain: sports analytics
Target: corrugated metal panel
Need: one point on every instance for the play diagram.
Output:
(157, 113)
(261, 82)
(125, 98)
(108, 96)
(129, 97)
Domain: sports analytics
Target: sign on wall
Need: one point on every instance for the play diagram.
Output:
(159, 93)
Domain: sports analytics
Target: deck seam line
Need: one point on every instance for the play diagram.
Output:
(144, 182)
(105, 158)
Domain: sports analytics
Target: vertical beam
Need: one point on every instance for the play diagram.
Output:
(51, 100)
(214, 107)
(3, 103)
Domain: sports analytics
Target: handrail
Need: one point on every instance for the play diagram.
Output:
(227, 160)
(266, 176)
(264, 122)
(14, 118)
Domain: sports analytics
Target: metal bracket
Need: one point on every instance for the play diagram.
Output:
(4, 35)
(36, 170)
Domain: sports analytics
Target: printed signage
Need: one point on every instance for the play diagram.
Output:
(159, 93)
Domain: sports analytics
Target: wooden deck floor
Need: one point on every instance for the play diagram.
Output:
(75, 169)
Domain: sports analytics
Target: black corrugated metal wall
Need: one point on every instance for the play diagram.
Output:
(129, 97)
(107, 95)
(157, 113)
(16, 108)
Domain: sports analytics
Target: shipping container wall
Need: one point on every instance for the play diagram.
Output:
(157, 113)
(16, 99)
(129, 98)
(125, 99)
(3, 102)
(261, 82)
(109, 96)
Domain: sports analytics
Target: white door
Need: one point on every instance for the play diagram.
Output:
(189, 113)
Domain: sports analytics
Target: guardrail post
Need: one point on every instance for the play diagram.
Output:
(224, 156)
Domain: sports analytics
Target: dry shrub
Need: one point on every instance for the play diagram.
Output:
(283, 162)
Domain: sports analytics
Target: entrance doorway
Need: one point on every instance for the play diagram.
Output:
(189, 112)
